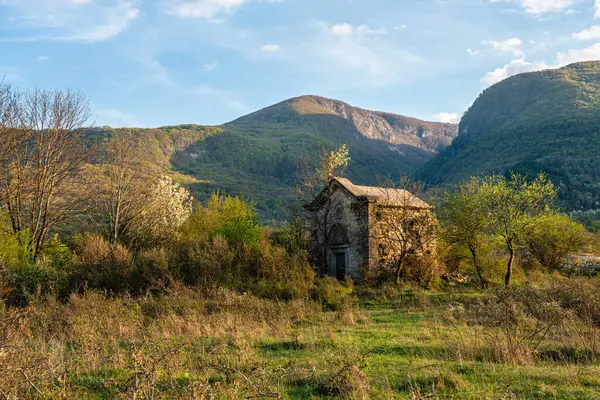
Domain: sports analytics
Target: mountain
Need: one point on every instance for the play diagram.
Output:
(256, 155)
(540, 121)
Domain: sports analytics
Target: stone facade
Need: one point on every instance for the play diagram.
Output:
(347, 238)
(343, 238)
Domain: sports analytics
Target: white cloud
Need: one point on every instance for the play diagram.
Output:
(512, 45)
(400, 27)
(472, 52)
(205, 9)
(597, 7)
(347, 30)
(590, 53)
(513, 68)
(537, 7)
(577, 55)
(354, 56)
(342, 29)
(588, 34)
(70, 20)
(43, 58)
(210, 67)
(448, 118)
(270, 48)
(118, 119)
(118, 20)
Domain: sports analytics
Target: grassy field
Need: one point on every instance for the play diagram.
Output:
(228, 346)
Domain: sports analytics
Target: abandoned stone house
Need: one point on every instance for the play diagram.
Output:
(347, 238)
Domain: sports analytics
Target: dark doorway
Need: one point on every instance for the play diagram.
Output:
(340, 266)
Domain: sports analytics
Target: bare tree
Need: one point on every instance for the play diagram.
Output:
(135, 206)
(119, 187)
(41, 159)
(312, 183)
(403, 226)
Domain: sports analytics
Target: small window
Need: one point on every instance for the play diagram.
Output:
(339, 212)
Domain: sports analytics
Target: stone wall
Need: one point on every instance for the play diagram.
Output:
(583, 263)
(345, 210)
(390, 221)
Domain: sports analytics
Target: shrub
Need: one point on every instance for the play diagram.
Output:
(264, 269)
(283, 275)
(294, 236)
(56, 253)
(12, 252)
(25, 277)
(554, 237)
(28, 280)
(333, 294)
(151, 271)
(230, 217)
(424, 270)
(211, 263)
(99, 264)
(514, 323)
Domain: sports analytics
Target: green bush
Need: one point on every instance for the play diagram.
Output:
(551, 239)
(27, 280)
(205, 263)
(425, 270)
(21, 277)
(223, 245)
(333, 294)
(233, 218)
(281, 274)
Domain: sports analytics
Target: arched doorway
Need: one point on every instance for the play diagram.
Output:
(339, 251)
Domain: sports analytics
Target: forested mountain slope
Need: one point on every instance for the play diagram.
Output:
(541, 121)
(256, 156)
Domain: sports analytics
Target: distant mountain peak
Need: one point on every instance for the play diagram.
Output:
(392, 128)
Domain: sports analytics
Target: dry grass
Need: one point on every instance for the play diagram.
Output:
(183, 345)
(222, 345)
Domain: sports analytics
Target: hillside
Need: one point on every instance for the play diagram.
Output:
(256, 155)
(541, 121)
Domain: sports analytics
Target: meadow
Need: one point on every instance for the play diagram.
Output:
(386, 344)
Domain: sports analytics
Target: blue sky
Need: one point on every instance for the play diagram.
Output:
(158, 62)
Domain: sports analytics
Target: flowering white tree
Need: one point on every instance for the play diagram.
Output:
(133, 205)
(169, 205)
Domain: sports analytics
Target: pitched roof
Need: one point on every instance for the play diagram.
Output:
(383, 196)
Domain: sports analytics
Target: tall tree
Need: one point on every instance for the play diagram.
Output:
(120, 186)
(513, 206)
(312, 180)
(464, 219)
(41, 158)
(403, 224)
(135, 206)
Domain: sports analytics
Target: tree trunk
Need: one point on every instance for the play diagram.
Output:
(398, 270)
(482, 280)
(511, 258)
